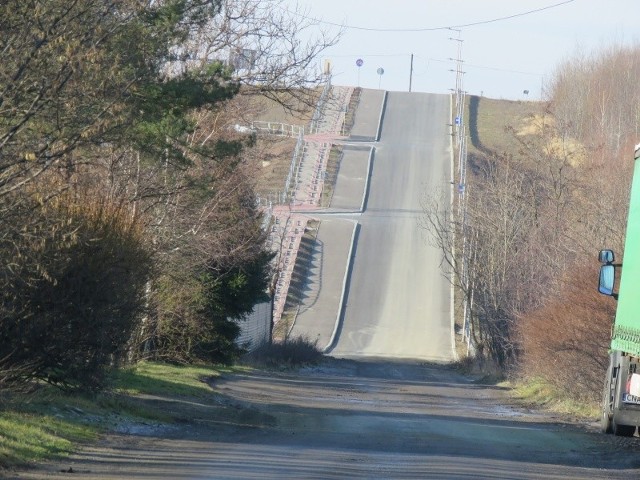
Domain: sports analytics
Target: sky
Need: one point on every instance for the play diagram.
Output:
(508, 48)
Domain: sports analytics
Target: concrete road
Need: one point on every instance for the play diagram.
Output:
(398, 302)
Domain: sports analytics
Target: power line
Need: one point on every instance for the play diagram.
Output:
(485, 67)
(365, 55)
(432, 59)
(429, 29)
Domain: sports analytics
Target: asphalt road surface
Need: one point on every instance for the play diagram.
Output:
(350, 419)
(398, 301)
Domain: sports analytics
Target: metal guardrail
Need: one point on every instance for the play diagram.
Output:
(288, 227)
(296, 158)
(317, 115)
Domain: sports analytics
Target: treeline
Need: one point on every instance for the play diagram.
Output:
(128, 220)
(565, 339)
(525, 256)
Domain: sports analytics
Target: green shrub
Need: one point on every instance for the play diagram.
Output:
(198, 313)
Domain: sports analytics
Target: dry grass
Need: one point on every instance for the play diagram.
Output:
(488, 119)
(535, 392)
(282, 328)
(333, 166)
(289, 353)
(272, 161)
(350, 117)
(271, 155)
(268, 110)
(557, 146)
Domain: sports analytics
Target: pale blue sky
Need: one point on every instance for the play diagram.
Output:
(502, 58)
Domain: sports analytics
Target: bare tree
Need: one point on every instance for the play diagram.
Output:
(273, 49)
(595, 97)
(123, 101)
(521, 245)
(511, 236)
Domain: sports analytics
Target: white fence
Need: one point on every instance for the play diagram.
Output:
(277, 128)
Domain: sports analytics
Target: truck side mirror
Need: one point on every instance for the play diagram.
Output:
(606, 256)
(607, 279)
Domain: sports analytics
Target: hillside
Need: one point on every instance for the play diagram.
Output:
(271, 155)
(488, 118)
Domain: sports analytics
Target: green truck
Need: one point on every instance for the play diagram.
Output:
(621, 396)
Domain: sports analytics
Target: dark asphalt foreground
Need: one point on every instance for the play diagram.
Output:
(353, 419)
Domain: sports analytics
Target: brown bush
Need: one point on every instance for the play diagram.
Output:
(566, 342)
(72, 288)
(293, 352)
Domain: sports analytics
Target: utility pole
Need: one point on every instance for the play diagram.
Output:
(458, 89)
(411, 72)
(463, 192)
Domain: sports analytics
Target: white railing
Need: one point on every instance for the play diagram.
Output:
(296, 159)
(317, 115)
(277, 128)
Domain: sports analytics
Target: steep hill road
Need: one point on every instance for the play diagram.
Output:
(398, 301)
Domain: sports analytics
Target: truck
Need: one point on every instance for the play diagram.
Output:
(621, 394)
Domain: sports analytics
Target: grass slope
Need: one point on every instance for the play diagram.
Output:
(488, 118)
(48, 424)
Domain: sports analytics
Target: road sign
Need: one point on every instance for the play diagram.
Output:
(359, 62)
(457, 120)
(380, 72)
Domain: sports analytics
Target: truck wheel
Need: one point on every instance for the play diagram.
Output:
(623, 430)
(606, 423)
